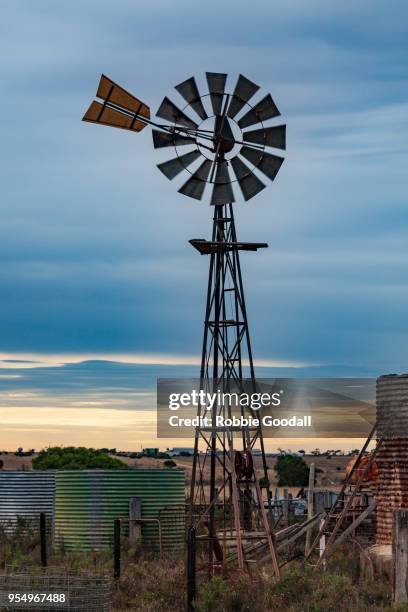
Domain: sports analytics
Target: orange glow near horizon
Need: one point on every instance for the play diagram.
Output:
(128, 430)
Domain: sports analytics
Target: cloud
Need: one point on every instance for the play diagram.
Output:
(105, 403)
(94, 240)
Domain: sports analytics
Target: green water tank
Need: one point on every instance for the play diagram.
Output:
(88, 501)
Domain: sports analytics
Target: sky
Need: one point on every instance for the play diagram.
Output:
(96, 263)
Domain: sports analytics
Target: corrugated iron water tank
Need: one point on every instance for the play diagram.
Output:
(87, 502)
(392, 458)
(25, 495)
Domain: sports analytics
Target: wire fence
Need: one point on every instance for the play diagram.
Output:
(52, 591)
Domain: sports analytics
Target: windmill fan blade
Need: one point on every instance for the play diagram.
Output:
(110, 91)
(271, 136)
(173, 167)
(249, 183)
(189, 90)
(216, 85)
(194, 187)
(222, 191)
(265, 109)
(169, 111)
(265, 162)
(99, 113)
(244, 90)
(166, 139)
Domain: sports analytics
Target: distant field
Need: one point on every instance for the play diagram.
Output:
(331, 475)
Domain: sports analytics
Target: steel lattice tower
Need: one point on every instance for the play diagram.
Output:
(213, 129)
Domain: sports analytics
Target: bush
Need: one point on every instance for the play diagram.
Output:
(76, 458)
(169, 463)
(235, 594)
(292, 471)
(264, 482)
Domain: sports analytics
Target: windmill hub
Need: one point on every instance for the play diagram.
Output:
(212, 139)
(223, 137)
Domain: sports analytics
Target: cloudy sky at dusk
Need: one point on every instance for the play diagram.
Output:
(94, 240)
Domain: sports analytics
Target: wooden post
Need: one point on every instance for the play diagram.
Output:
(400, 556)
(285, 506)
(322, 544)
(135, 512)
(43, 538)
(191, 568)
(116, 548)
(310, 508)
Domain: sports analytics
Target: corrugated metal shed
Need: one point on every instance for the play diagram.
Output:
(87, 502)
(25, 495)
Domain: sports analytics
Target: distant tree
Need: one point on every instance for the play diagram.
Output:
(332, 452)
(292, 471)
(76, 458)
(315, 452)
(1, 464)
(264, 482)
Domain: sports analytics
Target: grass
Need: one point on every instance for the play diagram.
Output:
(148, 585)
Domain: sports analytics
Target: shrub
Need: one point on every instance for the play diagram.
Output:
(169, 463)
(76, 458)
(264, 482)
(292, 471)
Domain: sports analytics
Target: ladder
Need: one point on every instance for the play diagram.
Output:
(342, 506)
(265, 533)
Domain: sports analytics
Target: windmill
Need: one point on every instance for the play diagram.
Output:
(222, 145)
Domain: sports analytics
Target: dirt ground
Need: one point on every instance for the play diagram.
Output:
(330, 472)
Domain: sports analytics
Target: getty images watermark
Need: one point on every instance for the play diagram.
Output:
(219, 401)
(184, 405)
(282, 407)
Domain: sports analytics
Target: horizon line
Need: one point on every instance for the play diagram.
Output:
(34, 360)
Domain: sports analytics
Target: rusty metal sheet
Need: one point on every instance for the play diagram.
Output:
(109, 90)
(98, 113)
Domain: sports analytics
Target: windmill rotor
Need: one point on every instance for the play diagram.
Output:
(222, 136)
(218, 138)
